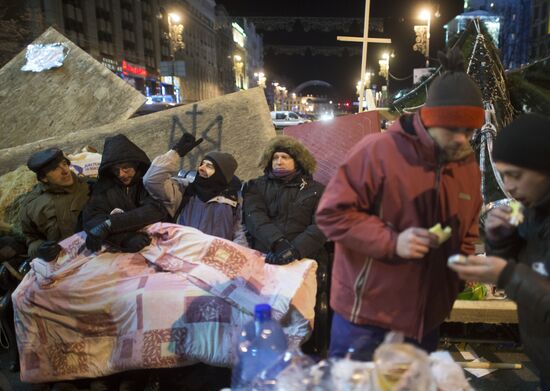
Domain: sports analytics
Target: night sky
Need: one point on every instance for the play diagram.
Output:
(343, 72)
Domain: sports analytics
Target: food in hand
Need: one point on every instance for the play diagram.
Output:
(457, 259)
(516, 216)
(443, 234)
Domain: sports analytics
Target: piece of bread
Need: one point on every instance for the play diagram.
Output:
(516, 215)
(443, 234)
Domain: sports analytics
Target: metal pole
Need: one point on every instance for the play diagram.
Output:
(364, 55)
(428, 41)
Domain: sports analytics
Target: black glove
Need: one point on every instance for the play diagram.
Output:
(48, 250)
(135, 242)
(97, 235)
(283, 253)
(185, 144)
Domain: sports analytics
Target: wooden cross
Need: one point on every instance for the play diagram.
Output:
(365, 40)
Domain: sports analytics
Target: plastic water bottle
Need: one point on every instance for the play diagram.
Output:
(260, 344)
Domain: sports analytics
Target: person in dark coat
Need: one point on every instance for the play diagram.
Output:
(519, 256)
(280, 205)
(51, 211)
(120, 205)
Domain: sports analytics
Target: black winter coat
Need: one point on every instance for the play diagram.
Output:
(140, 209)
(527, 253)
(274, 209)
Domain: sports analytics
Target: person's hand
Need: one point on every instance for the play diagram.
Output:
(48, 250)
(480, 269)
(136, 242)
(185, 144)
(97, 235)
(497, 224)
(283, 253)
(415, 243)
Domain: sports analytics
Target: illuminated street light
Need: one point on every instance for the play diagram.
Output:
(426, 14)
(175, 36)
(174, 17)
(260, 78)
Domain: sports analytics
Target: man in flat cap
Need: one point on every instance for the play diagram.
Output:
(51, 211)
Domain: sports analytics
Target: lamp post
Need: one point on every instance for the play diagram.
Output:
(260, 79)
(175, 30)
(426, 14)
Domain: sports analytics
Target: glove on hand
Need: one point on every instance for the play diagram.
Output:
(96, 235)
(283, 253)
(48, 250)
(136, 242)
(185, 144)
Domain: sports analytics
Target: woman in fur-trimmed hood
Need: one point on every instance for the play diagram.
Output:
(294, 148)
(279, 206)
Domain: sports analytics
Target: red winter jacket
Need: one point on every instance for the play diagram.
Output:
(388, 183)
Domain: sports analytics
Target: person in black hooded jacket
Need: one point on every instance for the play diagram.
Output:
(120, 205)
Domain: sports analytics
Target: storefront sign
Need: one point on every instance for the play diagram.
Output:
(132, 69)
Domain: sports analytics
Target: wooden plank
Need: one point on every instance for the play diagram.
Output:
(238, 123)
(330, 141)
(484, 311)
(81, 94)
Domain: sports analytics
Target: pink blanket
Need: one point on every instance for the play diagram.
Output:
(177, 302)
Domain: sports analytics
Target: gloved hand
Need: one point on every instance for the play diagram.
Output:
(48, 250)
(97, 235)
(136, 242)
(185, 144)
(283, 253)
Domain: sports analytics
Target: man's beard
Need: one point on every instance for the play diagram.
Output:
(453, 155)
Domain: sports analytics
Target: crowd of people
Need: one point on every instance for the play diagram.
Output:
(389, 270)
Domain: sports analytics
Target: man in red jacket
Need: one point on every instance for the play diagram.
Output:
(389, 270)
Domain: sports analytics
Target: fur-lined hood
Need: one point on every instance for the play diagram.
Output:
(301, 154)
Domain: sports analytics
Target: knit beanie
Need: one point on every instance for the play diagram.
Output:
(453, 99)
(525, 142)
(225, 162)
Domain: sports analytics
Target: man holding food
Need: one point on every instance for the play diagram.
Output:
(519, 242)
(382, 210)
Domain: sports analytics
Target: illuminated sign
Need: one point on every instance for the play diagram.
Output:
(132, 69)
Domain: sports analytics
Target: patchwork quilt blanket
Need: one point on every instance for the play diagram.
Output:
(181, 300)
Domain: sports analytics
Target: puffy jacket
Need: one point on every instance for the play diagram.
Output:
(109, 194)
(52, 212)
(390, 182)
(274, 208)
(526, 281)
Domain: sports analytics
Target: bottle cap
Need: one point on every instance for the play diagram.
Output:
(262, 312)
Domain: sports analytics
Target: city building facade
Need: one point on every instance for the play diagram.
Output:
(183, 48)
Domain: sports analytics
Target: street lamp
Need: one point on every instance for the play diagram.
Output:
(426, 14)
(260, 79)
(175, 30)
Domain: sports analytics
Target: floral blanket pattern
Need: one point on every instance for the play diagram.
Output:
(179, 301)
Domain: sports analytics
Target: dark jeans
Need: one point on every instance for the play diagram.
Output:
(362, 340)
(544, 386)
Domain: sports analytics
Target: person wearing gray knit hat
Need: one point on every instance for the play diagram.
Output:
(210, 201)
(518, 258)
